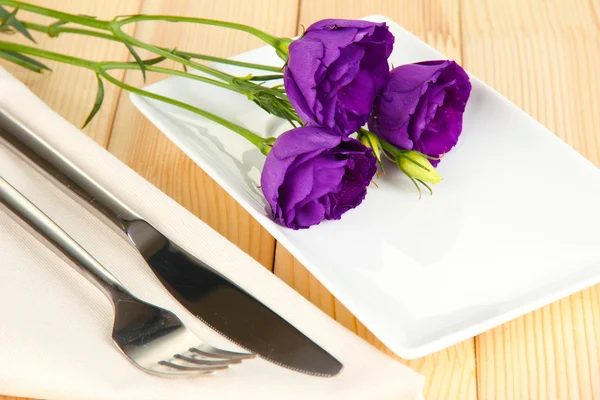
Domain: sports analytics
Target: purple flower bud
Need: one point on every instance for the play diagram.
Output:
(335, 71)
(421, 107)
(311, 174)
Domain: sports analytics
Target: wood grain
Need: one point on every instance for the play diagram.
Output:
(451, 373)
(69, 90)
(14, 398)
(140, 145)
(543, 56)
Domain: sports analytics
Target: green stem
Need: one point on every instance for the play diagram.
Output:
(55, 31)
(258, 141)
(385, 145)
(264, 78)
(115, 27)
(399, 152)
(49, 55)
(78, 19)
(390, 148)
(95, 66)
(280, 44)
(168, 71)
(219, 60)
(126, 38)
(101, 69)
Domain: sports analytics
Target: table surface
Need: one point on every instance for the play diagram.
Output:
(541, 54)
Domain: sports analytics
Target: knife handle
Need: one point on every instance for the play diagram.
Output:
(84, 262)
(26, 142)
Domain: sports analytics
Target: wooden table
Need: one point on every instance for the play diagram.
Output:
(542, 54)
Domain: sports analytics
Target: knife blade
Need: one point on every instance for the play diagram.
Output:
(202, 290)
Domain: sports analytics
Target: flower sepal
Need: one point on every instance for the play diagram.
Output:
(283, 48)
(413, 164)
(370, 140)
(417, 166)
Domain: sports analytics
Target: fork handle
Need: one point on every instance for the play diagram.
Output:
(84, 262)
(41, 153)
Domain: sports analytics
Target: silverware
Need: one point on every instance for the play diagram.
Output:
(207, 294)
(152, 338)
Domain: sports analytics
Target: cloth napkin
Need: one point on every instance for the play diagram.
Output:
(55, 326)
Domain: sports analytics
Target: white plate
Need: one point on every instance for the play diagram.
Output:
(514, 225)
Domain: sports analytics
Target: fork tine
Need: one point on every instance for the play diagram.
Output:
(198, 369)
(199, 361)
(212, 352)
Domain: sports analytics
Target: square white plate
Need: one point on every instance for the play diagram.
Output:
(514, 225)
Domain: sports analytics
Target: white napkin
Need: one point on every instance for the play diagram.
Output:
(55, 326)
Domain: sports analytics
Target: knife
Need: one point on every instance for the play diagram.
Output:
(207, 294)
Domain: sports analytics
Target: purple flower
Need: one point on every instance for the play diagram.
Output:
(421, 107)
(312, 174)
(335, 71)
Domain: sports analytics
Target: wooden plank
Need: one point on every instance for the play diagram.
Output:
(139, 144)
(451, 373)
(13, 398)
(540, 54)
(543, 55)
(70, 90)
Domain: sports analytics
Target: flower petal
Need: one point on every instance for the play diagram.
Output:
(421, 107)
(308, 215)
(317, 77)
(312, 174)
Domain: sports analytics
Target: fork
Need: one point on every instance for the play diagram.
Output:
(153, 338)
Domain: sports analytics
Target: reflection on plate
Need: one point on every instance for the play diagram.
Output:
(513, 225)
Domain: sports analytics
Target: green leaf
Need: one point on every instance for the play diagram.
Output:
(413, 161)
(245, 78)
(138, 60)
(416, 185)
(154, 61)
(4, 15)
(264, 78)
(10, 20)
(380, 162)
(426, 185)
(184, 56)
(150, 61)
(52, 28)
(97, 103)
(24, 61)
